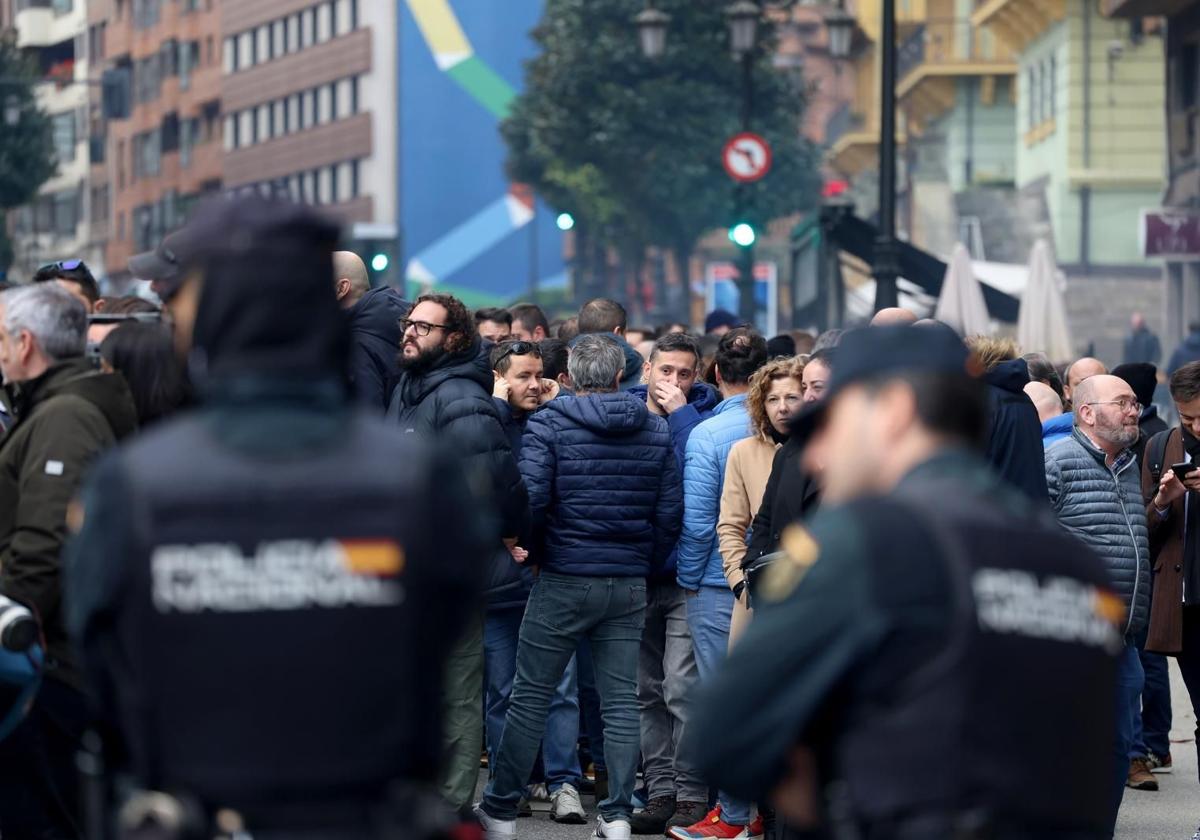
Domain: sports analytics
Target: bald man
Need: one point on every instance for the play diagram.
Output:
(374, 326)
(1085, 368)
(1056, 424)
(893, 317)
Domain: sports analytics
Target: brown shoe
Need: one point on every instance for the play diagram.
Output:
(1140, 777)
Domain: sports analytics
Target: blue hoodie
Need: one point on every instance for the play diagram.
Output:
(1056, 429)
(604, 486)
(701, 400)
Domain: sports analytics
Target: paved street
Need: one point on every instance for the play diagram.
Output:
(1174, 810)
(1170, 814)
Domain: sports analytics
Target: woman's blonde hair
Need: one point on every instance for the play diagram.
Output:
(791, 367)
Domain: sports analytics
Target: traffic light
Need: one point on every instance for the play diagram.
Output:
(565, 221)
(379, 247)
(742, 234)
(115, 90)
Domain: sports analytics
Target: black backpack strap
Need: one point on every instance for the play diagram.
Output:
(1156, 450)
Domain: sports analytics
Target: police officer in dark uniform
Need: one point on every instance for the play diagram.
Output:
(933, 657)
(264, 591)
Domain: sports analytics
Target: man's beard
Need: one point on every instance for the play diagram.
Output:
(423, 362)
(1118, 434)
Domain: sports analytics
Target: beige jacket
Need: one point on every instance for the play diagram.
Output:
(746, 476)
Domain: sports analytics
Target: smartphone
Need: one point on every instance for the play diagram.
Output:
(1183, 470)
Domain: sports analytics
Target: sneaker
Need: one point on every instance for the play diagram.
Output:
(539, 797)
(654, 817)
(1140, 777)
(1159, 763)
(565, 806)
(494, 829)
(757, 829)
(1196, 836)
(687, 814)
(615, 830)
(711, 826)
(524, 809)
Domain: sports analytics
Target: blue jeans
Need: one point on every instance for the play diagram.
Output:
(589, 704)
(1130, 681)
(500, 635)
(562, 610)
(1152, 728)
(708, 612)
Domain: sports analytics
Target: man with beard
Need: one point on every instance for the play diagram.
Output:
(445, 393)
(1095, 490)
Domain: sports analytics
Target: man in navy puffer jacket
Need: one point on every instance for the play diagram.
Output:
(607, 499)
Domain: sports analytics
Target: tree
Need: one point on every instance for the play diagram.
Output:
(26, 138)
(632, 147)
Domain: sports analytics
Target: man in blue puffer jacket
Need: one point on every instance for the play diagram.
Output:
(700, 571)
(607, 500)
(1095, 489)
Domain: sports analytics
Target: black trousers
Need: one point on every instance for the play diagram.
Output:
(39, 780)
(1189, 660)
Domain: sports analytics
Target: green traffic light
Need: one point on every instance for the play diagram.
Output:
(742, 234)
(565, 221)
(380, 262)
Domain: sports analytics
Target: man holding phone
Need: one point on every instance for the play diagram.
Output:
(1170, 482)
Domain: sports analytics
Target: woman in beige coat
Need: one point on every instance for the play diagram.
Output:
(776, 394)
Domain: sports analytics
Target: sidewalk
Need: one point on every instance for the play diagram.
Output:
(1173, 812)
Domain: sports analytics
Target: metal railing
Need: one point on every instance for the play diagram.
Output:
(946, 41)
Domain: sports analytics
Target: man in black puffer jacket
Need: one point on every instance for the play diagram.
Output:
(374, 327)
(445, 393)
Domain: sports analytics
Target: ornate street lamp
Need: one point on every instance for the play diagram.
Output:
(742, 18)
(652, 31)
(840, 26)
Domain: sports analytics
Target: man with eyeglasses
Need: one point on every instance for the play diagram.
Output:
(74, 276)
(445, 393)
(1095, 490)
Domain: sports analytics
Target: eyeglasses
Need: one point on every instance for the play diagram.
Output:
(516, 348)
(421, 328)
(62, 265)
(1124, 404)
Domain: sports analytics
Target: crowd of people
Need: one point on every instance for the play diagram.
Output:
(634, 498)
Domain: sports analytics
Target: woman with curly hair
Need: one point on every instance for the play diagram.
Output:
(776, 395)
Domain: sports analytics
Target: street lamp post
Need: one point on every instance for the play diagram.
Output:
(743, 17)
(887, 267)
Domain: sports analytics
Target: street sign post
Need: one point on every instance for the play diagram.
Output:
(746, 157)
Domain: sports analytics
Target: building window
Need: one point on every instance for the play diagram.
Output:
(307, 29)
(231, 55)
(146, 13)
(333, 101)
(353, 14)
(278, 122)
(147, 154)
(335, 195)
(342, 22)
(279, 38)
(262, 47)
(354, 184)
(63, 126)
(354, 95)
(147, 79)
(1050, 78)
(293, 33)
(266, 129)
(246, 50)
(1035, 97)
(305, 110)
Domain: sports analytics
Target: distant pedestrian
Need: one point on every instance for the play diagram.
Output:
(602, 316)
(1078, 371)
(1143, 379)
(1187, 351)
(1042, 370)
(494, 325)
(1141, 345)
(529, 322)
(75, 277)
(1056, 423)
(1095, 490)
(606, 501)
(720, 321)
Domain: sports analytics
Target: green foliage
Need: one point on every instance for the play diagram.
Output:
(632, 147)
(26, 145)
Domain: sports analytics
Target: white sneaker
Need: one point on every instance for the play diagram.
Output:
(494, 829)
(615, 830)
(566, 807)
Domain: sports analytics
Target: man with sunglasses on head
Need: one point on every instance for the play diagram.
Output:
(74, 276)
(1095, 490)
(445, 393)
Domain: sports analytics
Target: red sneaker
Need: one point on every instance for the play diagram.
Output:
(713, 826)
(756, 828)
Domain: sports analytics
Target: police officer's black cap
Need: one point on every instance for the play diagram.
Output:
(871, 353)
(160, 266)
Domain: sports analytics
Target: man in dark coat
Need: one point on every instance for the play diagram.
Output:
(1014, 447)
(607, 317)
(605, 491)
(445, 393)
(374, 328)
(1143, 379)
(67, 413)
(1187, 351)
(1141, 345)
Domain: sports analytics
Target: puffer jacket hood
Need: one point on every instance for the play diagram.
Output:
(608, 415)
(378, 313)
(472, 365)
(1010, 376)
(375, 331)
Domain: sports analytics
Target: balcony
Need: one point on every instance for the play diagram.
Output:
(856, 148)
(1017, 22)
(939, 52)
(42, 23)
